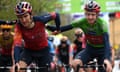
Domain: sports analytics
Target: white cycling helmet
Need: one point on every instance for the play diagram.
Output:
(22, 8)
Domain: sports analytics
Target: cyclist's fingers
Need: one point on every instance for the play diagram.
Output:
(109, 68)
(22, 65)
(75, 62)
(12, 69)
(52, 65)
(55, 32)
(17, 67)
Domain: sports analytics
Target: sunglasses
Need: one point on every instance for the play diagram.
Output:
(78, 35)
(7, 30)
(63, 42)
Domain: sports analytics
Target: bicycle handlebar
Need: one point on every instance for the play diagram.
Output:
(27, 68)
(88, 66)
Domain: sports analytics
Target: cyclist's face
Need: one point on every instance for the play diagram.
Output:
(91, 17)
(79, 37)
(6, 32)
(64, 43)
(25, 19)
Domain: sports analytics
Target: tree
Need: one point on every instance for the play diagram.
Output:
(39, 7)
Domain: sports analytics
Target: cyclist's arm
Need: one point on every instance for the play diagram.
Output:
(74, 47)
(107, 46)
(106, 40)
(83, 42)
(77, 23)
(65, 28)
(70, 54)
(113, 53)
(17, 45)
(49, 17)
(62, 28)
(51, 28)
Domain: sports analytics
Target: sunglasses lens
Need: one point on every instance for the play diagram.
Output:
(5, 30)
(63, 42)
(78, 35)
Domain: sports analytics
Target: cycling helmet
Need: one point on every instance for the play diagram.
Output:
(78, 31)
(92, 6)
(51, 38)
(6, 26)
(64, 39)
(22, 8)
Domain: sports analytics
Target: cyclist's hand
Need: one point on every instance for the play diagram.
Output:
(113, 63)
(13, 67)
(55, 32)
(16, 67)
(52, 65)
(75, 63)
(108, 65)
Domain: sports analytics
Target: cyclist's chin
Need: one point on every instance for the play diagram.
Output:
(25, 25)
(91, 22)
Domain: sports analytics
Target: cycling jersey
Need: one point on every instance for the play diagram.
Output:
(78, 47)
(52, 49)
(34, 38)
(93, 33)
(6, 45)
(63, 53)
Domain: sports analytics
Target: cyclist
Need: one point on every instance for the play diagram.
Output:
(6, 42)
(32, 30)
(63, 52)
(79, 42)
(96, 33)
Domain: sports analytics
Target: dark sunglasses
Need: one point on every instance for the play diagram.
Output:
(3, 30)
(79, 35)
(63, 42)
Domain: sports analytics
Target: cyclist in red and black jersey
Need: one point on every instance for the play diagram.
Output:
(6, 42)
(32, 30)
(64, 52)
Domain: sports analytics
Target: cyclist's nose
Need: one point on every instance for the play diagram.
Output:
(23, 19)
(90, 16)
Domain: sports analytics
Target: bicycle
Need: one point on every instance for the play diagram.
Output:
(34, 69)
(63, 68)
(6, 68)
(94, 65)
(30, 68)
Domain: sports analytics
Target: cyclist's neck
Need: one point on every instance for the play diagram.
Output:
(31, 25)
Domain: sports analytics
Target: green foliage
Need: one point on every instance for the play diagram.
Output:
(39, 7)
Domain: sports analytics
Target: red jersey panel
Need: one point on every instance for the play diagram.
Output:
(35, 38)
